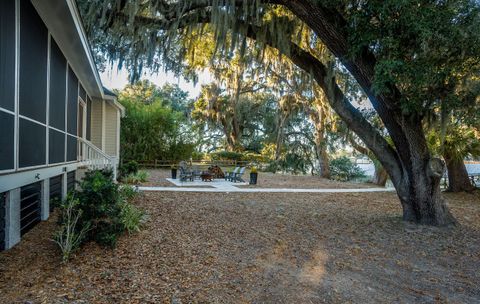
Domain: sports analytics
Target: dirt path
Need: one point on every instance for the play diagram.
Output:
(260, 248)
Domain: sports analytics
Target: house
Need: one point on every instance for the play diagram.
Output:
(56, 118)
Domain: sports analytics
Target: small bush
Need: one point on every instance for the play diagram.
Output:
(343, 169)
(70, 235)
(101, 212)
(139, 177)
(132, 217)
(127, 192)
(128, 168)
(107, 233)
(100, 201)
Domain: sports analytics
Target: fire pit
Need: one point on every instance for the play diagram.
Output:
(206, 176)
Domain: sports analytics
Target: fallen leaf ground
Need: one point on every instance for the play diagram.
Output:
(259, 248)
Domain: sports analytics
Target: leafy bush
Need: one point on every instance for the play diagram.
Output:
(128, 168)
(70, 235)
(344, 169)
(132, 217)
(139, 177)
(155, 125)
(102, 211)
(100, 201)
(127, 192)
(254, 157)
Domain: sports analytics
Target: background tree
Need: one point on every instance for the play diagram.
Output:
(151, 129)
(458, 140)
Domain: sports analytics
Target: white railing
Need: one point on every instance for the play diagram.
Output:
(94, 158)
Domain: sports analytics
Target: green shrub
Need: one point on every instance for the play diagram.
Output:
(344, 169)
(99, 212)
(71, 233)
(128, 168)
(107, 233)
(139, 177)
(132, 217)
(127, 192)
(100, 201)
(254, 157)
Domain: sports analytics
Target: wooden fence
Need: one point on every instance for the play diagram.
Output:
(166, 164)
(157, 164)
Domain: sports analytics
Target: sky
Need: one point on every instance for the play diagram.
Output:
(115, 79)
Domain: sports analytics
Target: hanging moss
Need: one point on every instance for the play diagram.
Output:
(134, 34)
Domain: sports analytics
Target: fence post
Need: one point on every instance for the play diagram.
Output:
(155, 164)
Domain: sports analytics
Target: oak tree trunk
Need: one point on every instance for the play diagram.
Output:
(279, 140)
(458, 179)
(322, 155)
(231, 144)
(380, 176)
(317, 115)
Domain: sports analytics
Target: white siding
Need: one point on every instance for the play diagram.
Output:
(111, 129)
(96, 132)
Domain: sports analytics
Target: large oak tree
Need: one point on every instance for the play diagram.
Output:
(401, 53)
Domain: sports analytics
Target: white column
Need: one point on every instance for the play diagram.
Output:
(79, 174)
(64, 186)
(12, 218)
(45, 207)
(103, 124)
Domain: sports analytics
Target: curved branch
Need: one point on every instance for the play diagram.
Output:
(330, 27)
(342, 106)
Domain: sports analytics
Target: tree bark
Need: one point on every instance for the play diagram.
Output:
(323, 159)
(318, 118)
(458, 180)
(280, 134)
(380, 176)
(231, 144)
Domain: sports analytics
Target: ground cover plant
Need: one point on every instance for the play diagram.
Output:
(136, 178)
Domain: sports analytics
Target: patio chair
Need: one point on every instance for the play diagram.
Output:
(237, 177)
(196, 172)
(230, 174)
(185, 173)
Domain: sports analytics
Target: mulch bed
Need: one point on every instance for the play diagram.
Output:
(262, 248)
